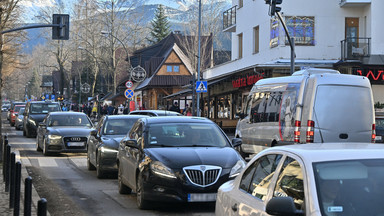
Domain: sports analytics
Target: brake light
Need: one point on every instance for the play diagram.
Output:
(373, 133)
(310, 131)
(296, 133)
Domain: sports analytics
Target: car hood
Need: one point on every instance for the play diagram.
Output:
(112, 141)
(70, 131)
(177, 158)
(37, 117)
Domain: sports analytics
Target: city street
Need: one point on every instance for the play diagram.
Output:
(71, 189)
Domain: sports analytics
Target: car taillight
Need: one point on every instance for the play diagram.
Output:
(310, 131)
(373, 133)
(296, 133)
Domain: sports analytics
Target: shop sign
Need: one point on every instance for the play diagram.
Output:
(246, 81)
(374, 74)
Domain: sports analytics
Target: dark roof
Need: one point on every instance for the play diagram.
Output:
(66, 113)
(157, 112)
(178, 119)
(126, 116)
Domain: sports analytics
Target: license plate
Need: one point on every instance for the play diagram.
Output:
(75, 144)
(378, 138)
(202, 197)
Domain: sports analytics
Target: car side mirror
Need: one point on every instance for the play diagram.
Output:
(237, 142)
(130, 143)
(282, 206)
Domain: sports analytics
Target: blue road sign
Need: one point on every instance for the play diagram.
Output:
(47, 97)
(201, 86)
(53, 97)
(129, 93)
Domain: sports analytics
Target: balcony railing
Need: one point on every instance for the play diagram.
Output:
(355, 48)
(229, 20)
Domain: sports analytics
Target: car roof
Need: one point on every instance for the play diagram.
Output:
(318, 152)
(44, 102)
(177, 119)
(155, 111)
(66, 113)
(127, 116)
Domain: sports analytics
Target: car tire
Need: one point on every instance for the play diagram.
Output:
(27, 133)
(100, 173)
(90, 166)
(123, 189)
(12, 124)
(24, 133)
(45, 150)
(141, 202)
(37, 145)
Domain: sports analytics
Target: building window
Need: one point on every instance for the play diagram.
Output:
(256, 39)
(240, 3)
(173, 68)
(240, 38)
(302, 29)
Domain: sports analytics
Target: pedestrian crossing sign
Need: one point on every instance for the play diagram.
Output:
(201, 86)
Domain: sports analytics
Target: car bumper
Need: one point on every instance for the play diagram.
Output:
(64, 148)
(176, 190)
(108, 161)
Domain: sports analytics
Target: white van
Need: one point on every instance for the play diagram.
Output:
(312, 105)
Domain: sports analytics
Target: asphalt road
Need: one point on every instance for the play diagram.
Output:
(70, 189)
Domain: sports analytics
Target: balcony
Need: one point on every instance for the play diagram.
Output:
(353, 3)
(354, 48)
(229, 20)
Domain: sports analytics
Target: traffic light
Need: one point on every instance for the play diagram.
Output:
(60, 32)
(273, 7)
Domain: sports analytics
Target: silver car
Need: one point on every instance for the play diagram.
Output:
(19, 119)
(308, 179)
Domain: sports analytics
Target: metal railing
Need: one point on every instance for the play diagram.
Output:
(353, 48)
(229, 17)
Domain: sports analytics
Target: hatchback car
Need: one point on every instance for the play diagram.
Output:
(308, 179)
(5, 107)
(61, 132)
(14, 114)
(155, 113)
(34, 113)
(10, 110)
(19, 119)
(176, 159)
(103, 143)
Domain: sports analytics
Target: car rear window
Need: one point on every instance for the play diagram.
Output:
(40, 108)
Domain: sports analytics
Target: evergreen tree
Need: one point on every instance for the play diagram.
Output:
(159, 26)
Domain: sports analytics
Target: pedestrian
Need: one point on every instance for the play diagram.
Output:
(188, 111)
(110, 109)
(120, 109)
(185, 110)
(175, 107)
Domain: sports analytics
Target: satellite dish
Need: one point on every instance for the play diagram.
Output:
(138, 73)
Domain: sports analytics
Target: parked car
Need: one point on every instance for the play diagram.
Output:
(379, 120)
(308, 179)
(61, 132)
(14, 114)
(307, 107)
(176, 159)
(155, 113)
(10, 110)
(34, 113)
(5, 107)
(19, 119)
(103, 143)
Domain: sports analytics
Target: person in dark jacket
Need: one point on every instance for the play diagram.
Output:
(175, 107)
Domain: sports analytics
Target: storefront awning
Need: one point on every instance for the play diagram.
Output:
(182, 92)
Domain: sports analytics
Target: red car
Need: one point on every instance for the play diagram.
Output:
(13, 114)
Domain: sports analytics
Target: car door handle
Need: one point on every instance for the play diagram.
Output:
(234, 207)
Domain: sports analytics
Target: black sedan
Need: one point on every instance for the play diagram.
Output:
(63, 132)
(176, 159)
(104, 142)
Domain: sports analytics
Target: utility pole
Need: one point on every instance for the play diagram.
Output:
(198, 61)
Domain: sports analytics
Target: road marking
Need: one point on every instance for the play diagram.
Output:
(47, 162)
(79, 162)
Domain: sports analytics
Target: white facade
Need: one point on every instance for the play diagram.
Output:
(329, 30)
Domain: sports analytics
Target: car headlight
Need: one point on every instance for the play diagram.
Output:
(162, 170)
(107, 150)
(240, 164)
(54, 139)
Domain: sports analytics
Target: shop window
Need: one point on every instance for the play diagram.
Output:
(224, 107)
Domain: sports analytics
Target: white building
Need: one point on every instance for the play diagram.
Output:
(341, 34)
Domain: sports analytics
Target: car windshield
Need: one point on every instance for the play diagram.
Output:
(118, 126)
(17, 108)
(350, 187)
(21, 111)
(40, 108)
(185, 135)
(69, 120)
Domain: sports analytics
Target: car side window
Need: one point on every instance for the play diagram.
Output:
(290, 182)
(257, 177)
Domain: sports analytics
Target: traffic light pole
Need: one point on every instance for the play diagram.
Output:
(291, 42)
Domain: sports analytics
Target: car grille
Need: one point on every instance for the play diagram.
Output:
(202, 175)
(75, 140)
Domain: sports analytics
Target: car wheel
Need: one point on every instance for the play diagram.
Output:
(27, 133)
(142, 203)
(99, 172)
(45, 150)
(37, 145)
(12, 124)
(123, 189)
(24, 134)
(90, 166)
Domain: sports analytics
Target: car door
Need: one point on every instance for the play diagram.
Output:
(41, 131)
(249, 197)
(94, 141)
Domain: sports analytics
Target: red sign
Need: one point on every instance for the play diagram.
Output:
(246, 81)
(129, 84)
